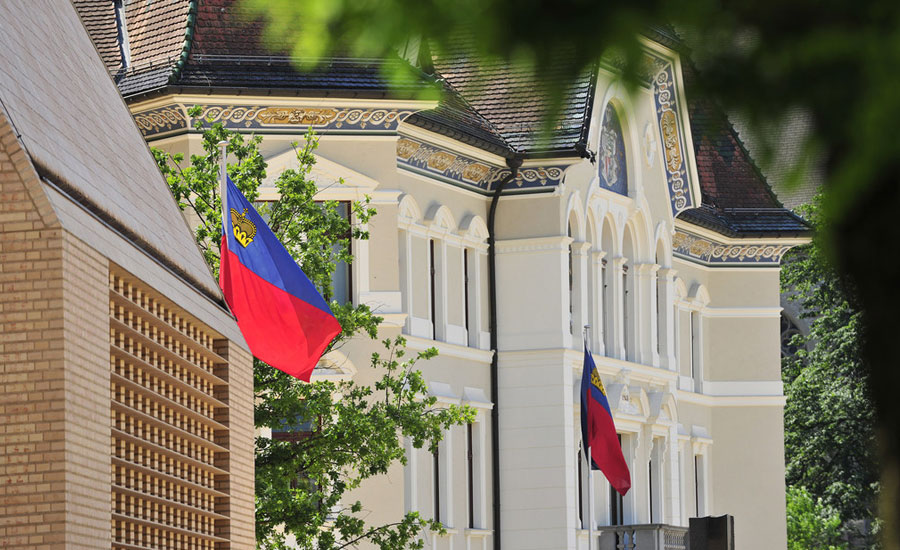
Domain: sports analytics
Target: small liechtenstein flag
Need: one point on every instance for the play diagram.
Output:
(598, 431)
(281, 314)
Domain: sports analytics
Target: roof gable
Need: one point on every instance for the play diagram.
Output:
(79, 133)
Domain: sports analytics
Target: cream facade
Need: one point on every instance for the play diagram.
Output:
(688, 348)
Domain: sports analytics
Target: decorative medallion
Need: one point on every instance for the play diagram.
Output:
(613, 165)
(703, 250)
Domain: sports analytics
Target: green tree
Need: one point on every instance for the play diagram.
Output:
(810, 524)
(829, 417)
(345, 432)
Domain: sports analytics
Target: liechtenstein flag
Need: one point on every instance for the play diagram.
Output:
(598, 431)
(284, 319)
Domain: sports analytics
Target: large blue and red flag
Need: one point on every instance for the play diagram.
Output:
(281, 314)
(598, 431)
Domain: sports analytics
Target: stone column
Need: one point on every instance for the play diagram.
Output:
(581, 295)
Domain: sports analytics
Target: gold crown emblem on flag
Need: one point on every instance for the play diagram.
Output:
(595, 380)
(244, 230)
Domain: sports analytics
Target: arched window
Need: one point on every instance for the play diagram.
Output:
(628, 296)
(571, 284)
(612, 163)
(607, 272)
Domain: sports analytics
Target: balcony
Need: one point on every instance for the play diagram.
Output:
(651, 536)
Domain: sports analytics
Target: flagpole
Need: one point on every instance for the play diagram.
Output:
(587, 349)
(223, 175)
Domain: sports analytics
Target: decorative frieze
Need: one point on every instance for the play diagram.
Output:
(672, 141)
(170, 118)
(708, 251)
(424, 158)
(162, 120)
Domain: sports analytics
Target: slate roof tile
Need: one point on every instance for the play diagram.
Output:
(735, 195)
(99, 18)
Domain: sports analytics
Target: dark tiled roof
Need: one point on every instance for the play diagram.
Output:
(459, 120)
(515, 101)
(340, 76)
(99, 18)
(736, 199)
(156, 30)
(497, 106)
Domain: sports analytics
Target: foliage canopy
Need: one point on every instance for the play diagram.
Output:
(343, 433)
(829, 418)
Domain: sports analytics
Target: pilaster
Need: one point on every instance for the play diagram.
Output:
(665, 287)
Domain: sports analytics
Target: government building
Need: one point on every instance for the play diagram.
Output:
(640, 215)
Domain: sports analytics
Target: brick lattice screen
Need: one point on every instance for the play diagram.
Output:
(170, 436)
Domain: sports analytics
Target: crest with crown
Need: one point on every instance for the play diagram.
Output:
(244, 229)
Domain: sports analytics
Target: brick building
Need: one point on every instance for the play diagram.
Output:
(125, 387)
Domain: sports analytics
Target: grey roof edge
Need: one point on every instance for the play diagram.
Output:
(61, 183)
(457, 135)
(687, 216)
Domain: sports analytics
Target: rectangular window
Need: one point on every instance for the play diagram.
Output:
(625, 332)
(580, 459)
(341, 279)
(616, 503)
(696, 356)
(650, 488)
(654, 482)
(659, 320)
(432, 274)
(466, 293)
(699, 487)
(437, 483)
(607, 308)
(571, 290)
(470, 467)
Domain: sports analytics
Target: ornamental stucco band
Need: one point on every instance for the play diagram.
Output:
(672, 140)
(423, 158)
(334, 119)
(162, 120)
(703, 250)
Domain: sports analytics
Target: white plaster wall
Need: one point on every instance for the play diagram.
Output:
(737, 426)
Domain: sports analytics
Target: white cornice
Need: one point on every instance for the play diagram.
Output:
(730, 401)
(445, 349)
(716, 237)
(765, 312)
(536, 244)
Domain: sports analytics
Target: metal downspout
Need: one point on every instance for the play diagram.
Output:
(514, 164)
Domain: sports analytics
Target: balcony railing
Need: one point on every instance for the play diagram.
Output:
(651, 536)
